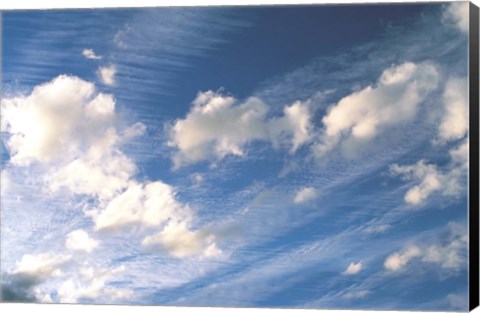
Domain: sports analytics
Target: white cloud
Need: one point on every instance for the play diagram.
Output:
(398, 260)
(456, 14)
(107, 74)
(59, 119)
(295, 123)
(4, 182)
(458, 301)
(451, 254)
(305, 194)
(197, 178)
(79, 240)
(358, 118)
(218, 125)
(181, 242)
(102, 176)
(357, 294)
(90, 54)
(66, 124)
(93, 285)
(460, 154)
(353, 268)
(377, 229)
(428, 177)
(41, 266)
(454, 124)
(146, 205)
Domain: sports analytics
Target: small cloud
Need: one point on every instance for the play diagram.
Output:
(357, 294)
(456, 15)
(304, 195)
(353, 268)
(90, 54)
(428, 177)
(79, 240)
(107, 74)
(398, 260)
(377, 229)
(197, 178)
(454, 124)
(181, 242)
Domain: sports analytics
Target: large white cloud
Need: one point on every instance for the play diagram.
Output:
(58, 120)
(69, 126)
(71, 130)
(357, 118)
(454, 123)
(218, 125)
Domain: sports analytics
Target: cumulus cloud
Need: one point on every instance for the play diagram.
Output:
(218, 125)
(93, 285)
(357, 118)
(90, 54)
(305, 194)
(181, 242)
(59, 119)
(107, 74)
(454, 124)
(21, 284)
(68, 125)
(102, 175)
(41, 265)
(460, 154)
(450, 254)
(457, 15)
(145, 205)
(399, 260)
(353, 268)
(428, 177)
(79, 240)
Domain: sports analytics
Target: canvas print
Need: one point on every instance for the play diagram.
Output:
(305, 156)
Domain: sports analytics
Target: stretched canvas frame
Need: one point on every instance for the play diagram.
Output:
(25, 278)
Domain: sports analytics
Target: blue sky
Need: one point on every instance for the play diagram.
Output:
(298, 157)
